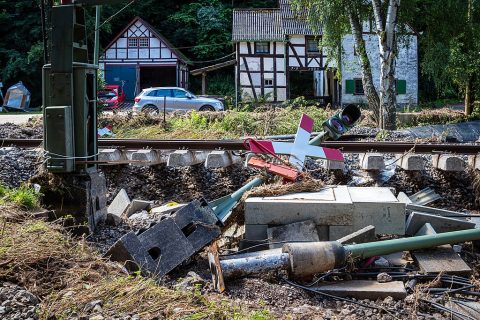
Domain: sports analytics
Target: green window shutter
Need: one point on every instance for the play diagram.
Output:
(401, 86)
(350, 86)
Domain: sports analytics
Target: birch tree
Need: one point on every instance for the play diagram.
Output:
(341, 17)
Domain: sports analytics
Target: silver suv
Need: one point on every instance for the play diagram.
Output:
(153, 100)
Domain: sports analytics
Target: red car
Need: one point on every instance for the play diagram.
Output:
(112, 96)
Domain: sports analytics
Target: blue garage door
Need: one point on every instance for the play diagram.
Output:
(117, 74)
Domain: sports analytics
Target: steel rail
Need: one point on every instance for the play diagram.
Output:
(233, 145)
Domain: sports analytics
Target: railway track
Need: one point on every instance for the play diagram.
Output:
(235, 145)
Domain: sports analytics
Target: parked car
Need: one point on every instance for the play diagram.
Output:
(153, 100)
(112, 96)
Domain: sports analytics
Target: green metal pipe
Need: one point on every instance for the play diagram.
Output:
(223, 206)
(321, 137)
(371, 249)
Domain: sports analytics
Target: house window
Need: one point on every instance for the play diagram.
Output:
(312, 46)
(358, 87)
(262, 47)
(133, 42)
(268, 82)
(143, 42)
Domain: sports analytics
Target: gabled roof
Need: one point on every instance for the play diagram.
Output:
(157, 34)
(296, 22)
(257, 25)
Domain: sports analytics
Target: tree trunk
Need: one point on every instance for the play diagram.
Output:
(367, 79)
(388, 51)
(468, 98)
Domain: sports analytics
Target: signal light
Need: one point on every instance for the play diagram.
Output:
(342, 121)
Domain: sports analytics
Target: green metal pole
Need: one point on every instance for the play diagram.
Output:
(96, 49)
(224, 205)
(371, 249)
(321, 137)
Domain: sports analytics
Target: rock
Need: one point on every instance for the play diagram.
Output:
(384, 277)
(92, 304)
(192, 279)
(142, 215)
(97, 317)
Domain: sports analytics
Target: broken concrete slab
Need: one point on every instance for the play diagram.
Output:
(137, 205)
(186, 158)
(439, 212)
(365, 289)
(363, 235)
(416, 220)
(425, 196)
(411, 162)
(221, 159)
(372, 161)
(298, 231)
(402, 197)
(332, 165)
(440, 259)
(337, 232)
(447, 162)
(118, 206)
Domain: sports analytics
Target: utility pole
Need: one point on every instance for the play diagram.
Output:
(96, 49)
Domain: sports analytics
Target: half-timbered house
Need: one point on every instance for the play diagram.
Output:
(278, 58)
(140, 57)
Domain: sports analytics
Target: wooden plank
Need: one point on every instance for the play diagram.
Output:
(250, 79)
(274, 72)
(296, 55)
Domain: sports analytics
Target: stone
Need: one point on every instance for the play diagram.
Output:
(365, 289)
(447, 162)
(90, 305)
(416, 220)
(363, 235)
(372, 161)
(384, 277)
(185, 158)
(298, 231)
(118, 206)
(6, 150)
(411, 162)
(141, 215)
(221, 159)
(137, 205)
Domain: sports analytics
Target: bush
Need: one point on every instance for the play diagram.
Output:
(24, 197)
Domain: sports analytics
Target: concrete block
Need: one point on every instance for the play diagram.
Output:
(168, 208)
(411, 162)
(198, 223)
(256, 232)
(377, 207)
(447, 162)
(330, 206)
(146, 157)
(439, 212)
(221, 159)
(426, 230)
(166, 245)
(130, 251)
(337, 232)
(185, 158)
(118, 206)
(402, 197)
(425, 196)
(298, 231)
(416, 220)
(365, 289)
(137, 205)
(332, 165)
(372, 161)
(363, 235)
(110, 155)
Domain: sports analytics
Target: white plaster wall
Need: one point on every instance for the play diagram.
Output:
(243, 47)
(406, 67)
(281, 94)
(143, 53)
(297, 39)
(280, 48)
(268, 64)
(121, 43)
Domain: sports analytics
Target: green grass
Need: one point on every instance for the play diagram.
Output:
(23, 196)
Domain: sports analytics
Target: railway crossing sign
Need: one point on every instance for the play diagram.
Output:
(297, 151)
